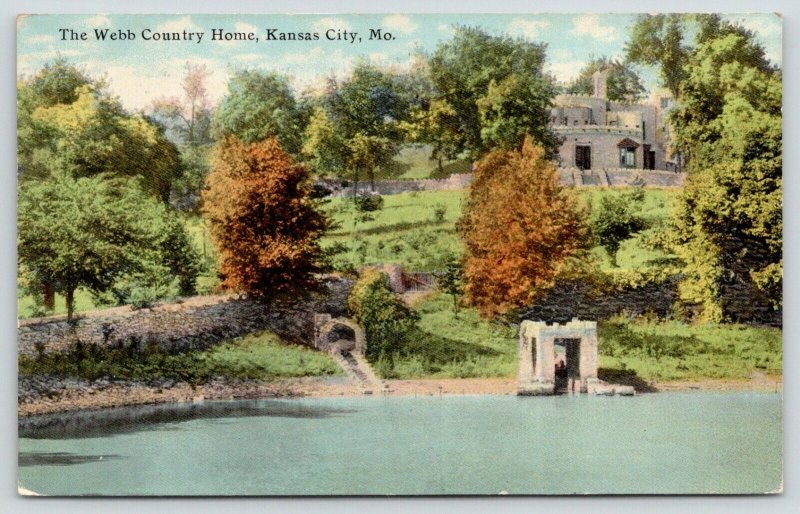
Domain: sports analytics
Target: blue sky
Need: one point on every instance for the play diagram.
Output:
(140, 71)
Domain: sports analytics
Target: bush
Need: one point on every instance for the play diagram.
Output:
(385, 318)
(439, 212)
(369, 202)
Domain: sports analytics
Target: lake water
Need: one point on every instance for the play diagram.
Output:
(695, 442)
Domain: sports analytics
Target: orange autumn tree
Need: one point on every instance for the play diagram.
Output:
(265, 226)
(520, 228)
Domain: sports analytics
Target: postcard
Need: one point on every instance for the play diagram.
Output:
(399, 254)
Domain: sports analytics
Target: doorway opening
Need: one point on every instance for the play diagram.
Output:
(583, 157)
(567, 365)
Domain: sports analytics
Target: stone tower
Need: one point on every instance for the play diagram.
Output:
(599, 79)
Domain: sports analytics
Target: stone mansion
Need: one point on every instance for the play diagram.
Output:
(598, 134)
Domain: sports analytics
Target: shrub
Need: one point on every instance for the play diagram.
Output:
(439, 212)
(385, 318)
(369, 202)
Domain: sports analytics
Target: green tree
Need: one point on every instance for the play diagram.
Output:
(93, 135)
(614, 221)
(261, 105)
(451, 281)
(85, 232)
(324, 147)
(360, 131)
(728, 220)
(179, 255)
(664, 41)
(624, 84)
(660, 40)
(497, 90)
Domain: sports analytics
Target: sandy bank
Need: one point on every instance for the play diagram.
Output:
(116, 395)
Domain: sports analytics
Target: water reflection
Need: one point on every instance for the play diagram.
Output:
(60, 459)
(111, 422)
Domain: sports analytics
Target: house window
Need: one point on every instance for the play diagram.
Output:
(644, 130)
(627, 158)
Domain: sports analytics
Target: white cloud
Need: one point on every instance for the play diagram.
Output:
(764, 26)
(564, 71)
(99, 21)
(562, 55)
(177, 25)
(400, 23)
(249, 57)
(527, 28)
(776, 56)
(589, 25)
(137, 88)
(330, 23)
(315, 55)
(378, 58)
(245, 27)
(39, 39)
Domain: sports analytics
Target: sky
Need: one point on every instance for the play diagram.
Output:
(141, 70)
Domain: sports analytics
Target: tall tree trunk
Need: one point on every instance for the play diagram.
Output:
(372, 179)
(356, 175)
(70, 297)
(49, 294)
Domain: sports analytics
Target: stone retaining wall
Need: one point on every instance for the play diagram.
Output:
(198, 323)
(567, 176)
(571, 299)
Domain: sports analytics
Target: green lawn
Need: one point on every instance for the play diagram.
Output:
(415, 230)
(670, 350)
(446, 346)
(27, 308)
(468, 346)
(414, 162)
(407, 231)
(258, 357)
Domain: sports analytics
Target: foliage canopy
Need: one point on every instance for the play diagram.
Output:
(519, 227)
(264, 224)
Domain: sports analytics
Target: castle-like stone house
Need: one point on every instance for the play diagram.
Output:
(598, 134)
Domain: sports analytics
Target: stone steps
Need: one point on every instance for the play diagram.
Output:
(358, 370)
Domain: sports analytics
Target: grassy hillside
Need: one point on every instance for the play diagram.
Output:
(414, 162)
(630, 350)
(409, 232)
(416, 230)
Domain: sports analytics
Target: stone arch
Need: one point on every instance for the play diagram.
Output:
(330, 326)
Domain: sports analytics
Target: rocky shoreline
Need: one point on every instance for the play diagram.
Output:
(43, 395)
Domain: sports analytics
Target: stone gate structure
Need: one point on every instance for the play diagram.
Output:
(537, 363)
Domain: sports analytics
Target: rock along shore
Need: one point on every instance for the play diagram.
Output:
(42, 395)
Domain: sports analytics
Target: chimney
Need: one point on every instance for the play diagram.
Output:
(599, 81)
